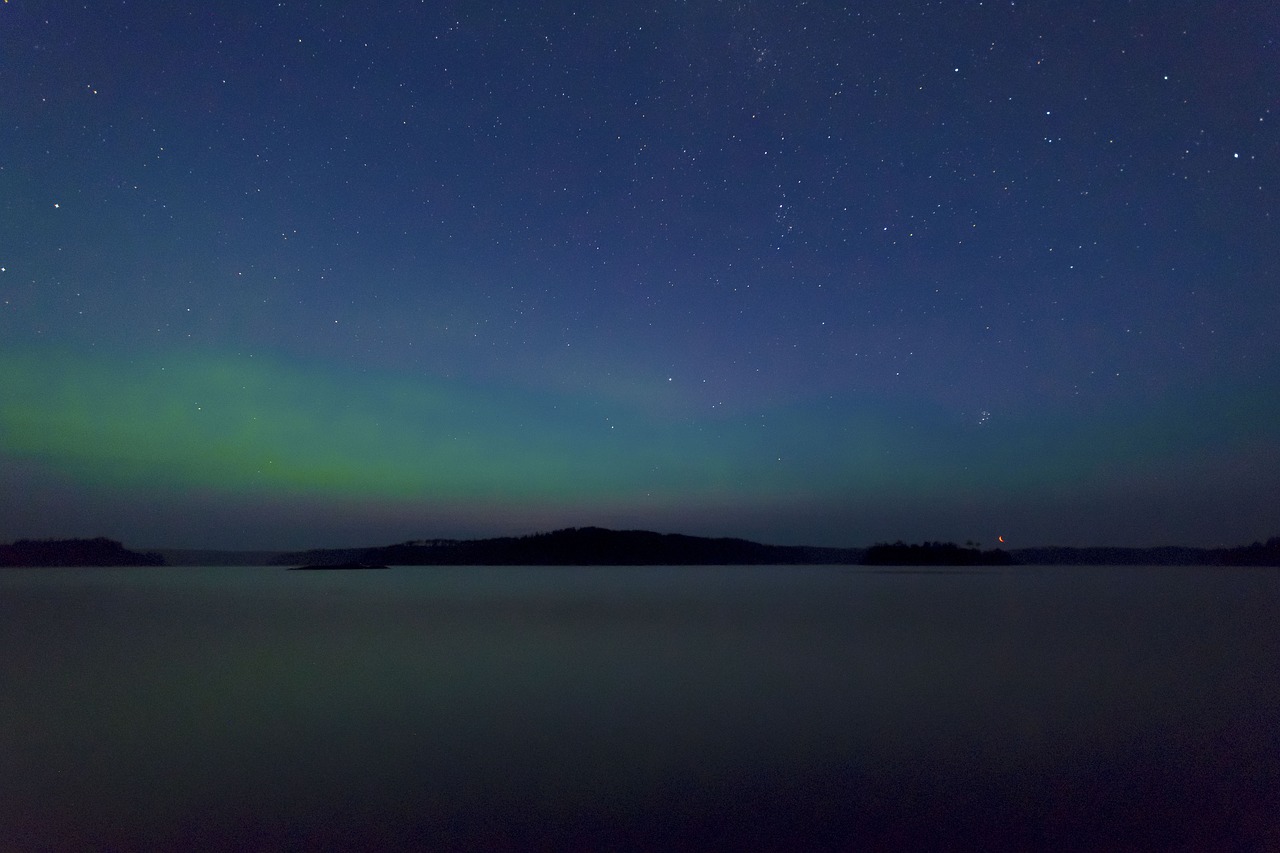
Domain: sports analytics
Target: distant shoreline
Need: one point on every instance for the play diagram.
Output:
(594, 546)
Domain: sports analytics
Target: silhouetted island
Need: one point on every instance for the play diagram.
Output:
(595, 546)
(74, 552)
(582, 546)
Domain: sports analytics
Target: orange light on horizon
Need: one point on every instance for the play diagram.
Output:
(1001, 538)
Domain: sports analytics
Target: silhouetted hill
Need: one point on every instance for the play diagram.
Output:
(586, 546)
(74, 552)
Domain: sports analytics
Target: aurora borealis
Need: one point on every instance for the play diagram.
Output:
(292, 275)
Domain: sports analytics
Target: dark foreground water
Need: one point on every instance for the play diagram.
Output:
(640, 708)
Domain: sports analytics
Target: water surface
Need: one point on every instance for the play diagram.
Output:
(696, 708)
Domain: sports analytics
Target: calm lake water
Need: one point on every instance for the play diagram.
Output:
(640, 708)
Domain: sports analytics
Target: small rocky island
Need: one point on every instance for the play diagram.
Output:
(321, 567)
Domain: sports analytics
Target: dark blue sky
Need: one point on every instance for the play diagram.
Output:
(306, 274)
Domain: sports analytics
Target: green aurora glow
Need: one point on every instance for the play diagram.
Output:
(243, 426)
(240, 423)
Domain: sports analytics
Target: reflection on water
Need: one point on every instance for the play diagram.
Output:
(707, 708)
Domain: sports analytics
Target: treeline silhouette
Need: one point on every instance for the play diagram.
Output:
(933, 554)
(74, 552)
(1257, 554)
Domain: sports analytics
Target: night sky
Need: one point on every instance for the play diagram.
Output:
(306, 274)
